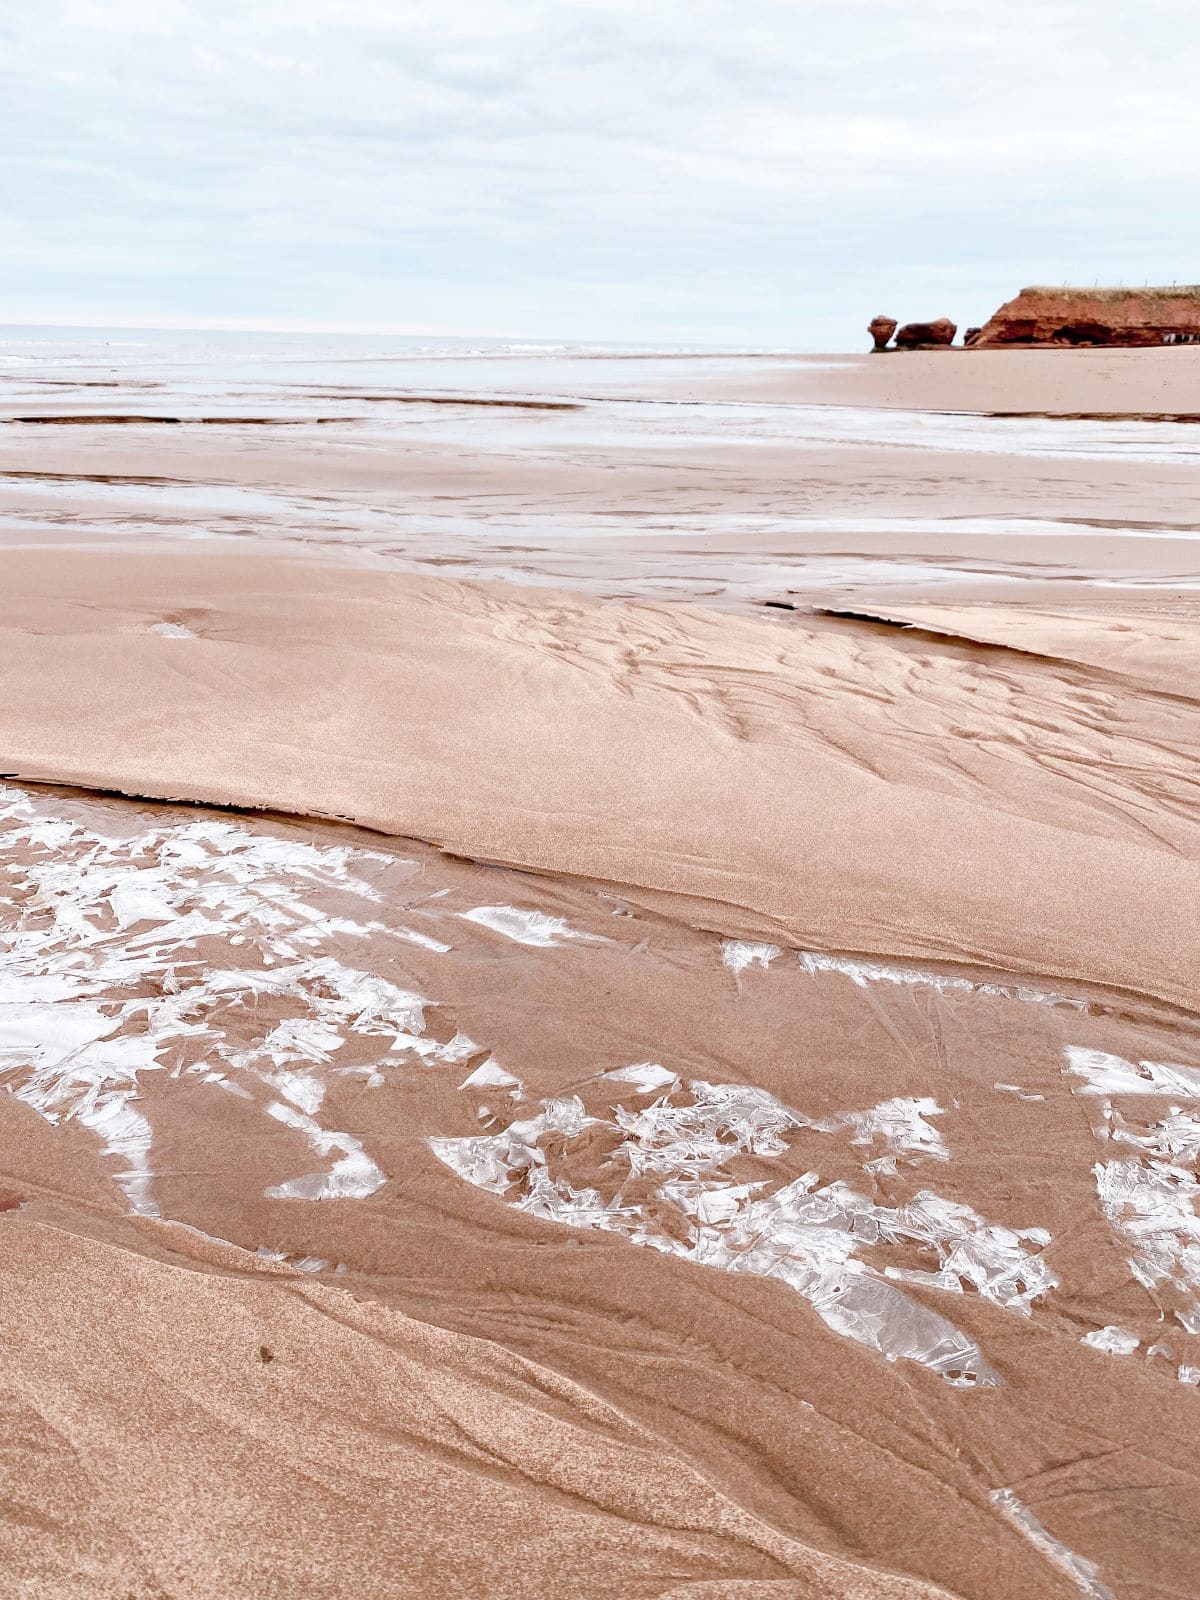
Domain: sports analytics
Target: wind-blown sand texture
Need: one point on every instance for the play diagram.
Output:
(597, 1093)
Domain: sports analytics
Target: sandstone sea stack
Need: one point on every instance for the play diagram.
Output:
(881, 330)
(1121, 316)
(924, 335)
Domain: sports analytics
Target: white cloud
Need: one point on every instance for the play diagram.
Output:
(775, 170)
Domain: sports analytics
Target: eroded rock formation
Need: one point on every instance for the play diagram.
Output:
(1096, 317)
(881, 330)
(922, 335)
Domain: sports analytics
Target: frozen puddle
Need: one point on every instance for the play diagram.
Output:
(806, 1233)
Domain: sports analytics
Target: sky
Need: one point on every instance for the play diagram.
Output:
(766, 173)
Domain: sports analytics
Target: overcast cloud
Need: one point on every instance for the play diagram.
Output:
(770, 171)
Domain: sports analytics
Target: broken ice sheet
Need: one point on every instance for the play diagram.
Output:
(808, 1235)
(1150, 1196)
(105, 915)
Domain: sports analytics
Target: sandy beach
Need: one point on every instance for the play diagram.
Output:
(598, 975)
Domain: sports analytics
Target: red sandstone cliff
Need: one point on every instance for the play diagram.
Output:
(1097, 316)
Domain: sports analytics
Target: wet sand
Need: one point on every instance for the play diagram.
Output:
(1153, 385)
(679, 1077)
(733, 482)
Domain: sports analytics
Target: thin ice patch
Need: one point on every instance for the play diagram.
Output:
(527, 927)
(1084, 1574)
(863, 973)
(491, 1075)
(351, 1176)
(1103, 1073)
(1148, 1196)
(902, 1125)
(738, 954)
(1153, 1205)
(1112, 1340)
(646, 1076)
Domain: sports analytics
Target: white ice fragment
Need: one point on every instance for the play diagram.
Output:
(174, 630)
(1015, 1088)
(647, 1076)
(1189, 1375)
(722, 1204)
(44, 833)
(493, 1160)
(902, 1126)
(994, 1260)
(78, 1067)
(301, 1039)
(1152, 1204)
(300, 1090)
(1083, 1573)
(863, 972)
(1108, 1074)
(411, 936)
(459, 1048)
(353, 1176)
(527, 927)
(697, 1138)
(1174, 1138)
(738, 954)
(490, 1075)
(1112, 1340)
(125, 1133)
(222, 1082)
(370, 1003)
(561, 1202)
(297, 1263)
(486, 1160)
(133, 901)
(564, 1115)
(1151, 1198)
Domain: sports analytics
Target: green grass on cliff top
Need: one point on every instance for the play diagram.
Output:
(1174, 291)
